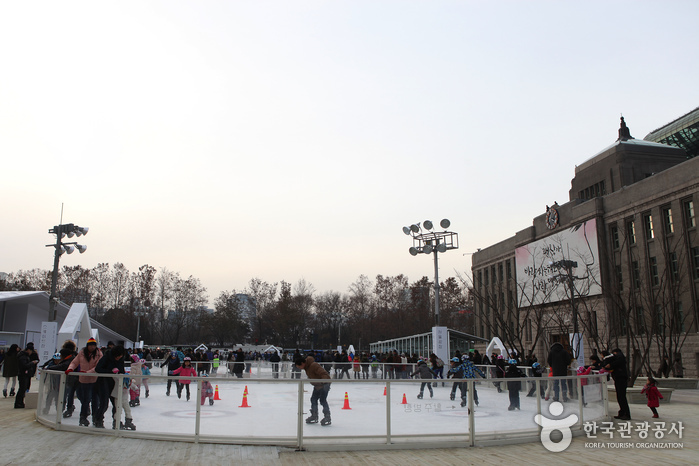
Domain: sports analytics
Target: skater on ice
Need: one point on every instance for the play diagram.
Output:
(315, 371)
(425, 373)
(207, 391)
(186, 370)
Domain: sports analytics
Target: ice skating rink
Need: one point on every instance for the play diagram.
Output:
(272, 415)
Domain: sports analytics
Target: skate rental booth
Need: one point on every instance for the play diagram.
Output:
(367, 414)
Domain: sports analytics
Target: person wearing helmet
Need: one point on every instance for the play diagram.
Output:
(463, 370)
(186, 370)
(146, 371)
(425, 373)
(537, 370)
(513, 386)
(52, 381)
(207, 391)
(135, 386)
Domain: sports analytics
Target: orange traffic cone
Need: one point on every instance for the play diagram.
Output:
(346, 406)
(245, 401)
(216, 394)
(384, 391)
(405, 400)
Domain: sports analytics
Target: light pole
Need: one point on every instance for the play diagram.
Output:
(568, 266)
(139, 312)
(428, 241)
(62, 231)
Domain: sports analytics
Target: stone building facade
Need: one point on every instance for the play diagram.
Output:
(618, 264)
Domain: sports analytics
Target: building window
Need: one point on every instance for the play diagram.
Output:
(679, 317)
(648, 224)
(615, 237)
(674, 267)
(486, 277)
(500, 272)
(695, 262)
(631, 232)
(492, 274)
(480, 279)
(667, 221)
(659, 318)
(636, 275)
(509, 269)
(619, 278)
(654, 278)
(640, 323)
(690, 220)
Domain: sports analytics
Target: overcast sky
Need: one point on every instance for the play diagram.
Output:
(292, 140)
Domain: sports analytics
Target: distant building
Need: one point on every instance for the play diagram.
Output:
(682, 132)
(619, 259)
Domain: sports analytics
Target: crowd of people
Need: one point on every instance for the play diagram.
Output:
(96, 393)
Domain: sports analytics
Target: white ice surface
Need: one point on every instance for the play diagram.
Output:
(273, 410)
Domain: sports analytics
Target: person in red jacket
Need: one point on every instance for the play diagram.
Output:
(186, 370)
(653, 395)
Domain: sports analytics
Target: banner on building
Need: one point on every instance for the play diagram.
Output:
(549, 267)
(440, 343)
(47, 341)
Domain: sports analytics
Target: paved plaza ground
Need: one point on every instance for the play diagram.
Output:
(25, 441)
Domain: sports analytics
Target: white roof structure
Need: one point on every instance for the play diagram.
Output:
(22, 313)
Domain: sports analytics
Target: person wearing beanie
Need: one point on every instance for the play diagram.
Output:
(26, 368)
(70, 349)
(135, 387)
(87, 360)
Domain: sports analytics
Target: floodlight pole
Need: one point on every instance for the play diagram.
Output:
(436, 288)
(59, 230)
(435, 242)
(54, 275)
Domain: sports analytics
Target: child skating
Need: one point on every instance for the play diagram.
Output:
(207, 391)
(146, 371)
(513, 386)
(185, 370)
(425, 373)
(135, 389)
(653, 395)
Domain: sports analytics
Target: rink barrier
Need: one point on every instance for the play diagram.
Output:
(335, 443)
(261, 368)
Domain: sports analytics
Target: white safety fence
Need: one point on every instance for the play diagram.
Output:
(373, 413)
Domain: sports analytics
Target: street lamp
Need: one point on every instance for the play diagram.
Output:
(568, 266)
(139, 312)
(426, 240)
(61, 231)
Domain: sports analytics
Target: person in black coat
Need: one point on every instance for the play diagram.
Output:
(275, 359)
(239, 363)
(173, 363)
(26, 367)
(559, 360)
(617, 365)
(112, 362)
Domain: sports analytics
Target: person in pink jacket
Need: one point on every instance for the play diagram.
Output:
(186, 370)
(653, 395)
(207, 391)
(85, 362)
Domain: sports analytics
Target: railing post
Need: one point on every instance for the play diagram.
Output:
(538, 400)
(471, 387)
(299, 421)
(580, 398)
(197, 422)
(119, 385)
(388, 412)
(61, 399)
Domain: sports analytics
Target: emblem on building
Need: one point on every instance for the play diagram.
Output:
(551, 216)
